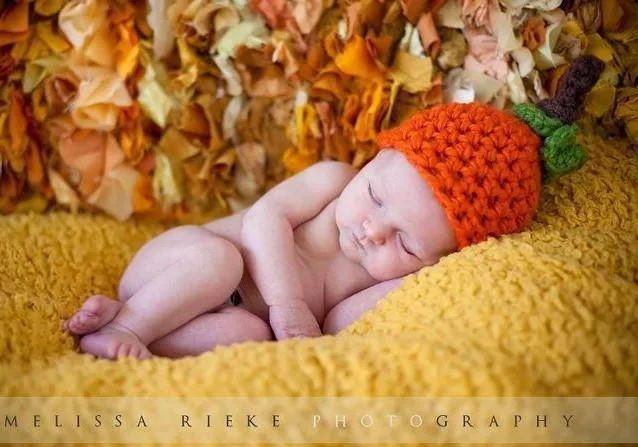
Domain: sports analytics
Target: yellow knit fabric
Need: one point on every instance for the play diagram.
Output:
(547, 312)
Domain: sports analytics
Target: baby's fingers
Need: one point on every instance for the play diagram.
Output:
(291, 322)
(293, 329)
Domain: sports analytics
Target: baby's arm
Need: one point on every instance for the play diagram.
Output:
(350, 309)
(268, 245)
(269, 253)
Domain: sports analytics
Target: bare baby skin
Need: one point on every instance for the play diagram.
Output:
(308, 258)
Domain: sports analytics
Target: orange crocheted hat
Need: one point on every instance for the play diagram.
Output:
(484, 165)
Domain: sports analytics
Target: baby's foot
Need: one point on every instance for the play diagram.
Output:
(96, 311)
(114, 341)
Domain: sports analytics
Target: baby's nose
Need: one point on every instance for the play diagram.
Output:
(376, 231)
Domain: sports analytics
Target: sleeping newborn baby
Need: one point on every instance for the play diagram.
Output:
(322, 247)
(298, 260)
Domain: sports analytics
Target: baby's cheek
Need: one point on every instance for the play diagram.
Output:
(388, 265)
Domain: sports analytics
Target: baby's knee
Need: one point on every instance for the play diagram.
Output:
(187, 235)
(214, 252)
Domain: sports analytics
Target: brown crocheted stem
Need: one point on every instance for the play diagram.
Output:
(579, 80)
(566, 5)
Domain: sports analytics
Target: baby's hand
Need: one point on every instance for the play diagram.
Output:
(293, 319)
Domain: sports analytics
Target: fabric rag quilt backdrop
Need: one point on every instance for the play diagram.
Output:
(121, 119)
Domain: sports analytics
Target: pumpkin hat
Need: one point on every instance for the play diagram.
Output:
(486, 166)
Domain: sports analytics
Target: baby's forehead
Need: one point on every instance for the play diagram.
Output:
(394, 170)
(401, 183)
(386, 162)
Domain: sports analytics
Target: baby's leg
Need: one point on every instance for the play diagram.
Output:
(175, 277)
(226, 326)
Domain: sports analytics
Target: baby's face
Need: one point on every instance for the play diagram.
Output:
(391, 211)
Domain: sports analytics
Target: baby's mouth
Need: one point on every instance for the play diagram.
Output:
(356, 241)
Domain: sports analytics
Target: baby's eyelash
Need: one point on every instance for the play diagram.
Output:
(378, 202)
(404, 247)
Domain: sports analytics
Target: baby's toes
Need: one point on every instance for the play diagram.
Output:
(124, 350)
(96, 311)
(118, 348)
(141, 352)
(130, 349)
(133, 351)
(109, 349)
(83, 322)
(145, 354)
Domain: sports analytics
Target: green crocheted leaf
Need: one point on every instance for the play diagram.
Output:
(561, 154)
(537, 119)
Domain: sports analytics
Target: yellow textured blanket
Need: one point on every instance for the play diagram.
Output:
(551, 311)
